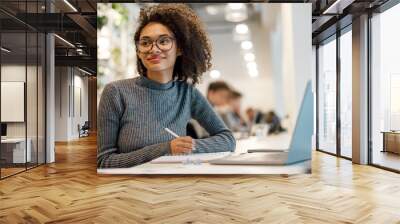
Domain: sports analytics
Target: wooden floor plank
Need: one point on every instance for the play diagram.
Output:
(70, 191)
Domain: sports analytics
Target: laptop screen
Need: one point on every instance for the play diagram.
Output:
(300, 146)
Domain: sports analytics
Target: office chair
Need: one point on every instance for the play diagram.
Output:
(84, 130)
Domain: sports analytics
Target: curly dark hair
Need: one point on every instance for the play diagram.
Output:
(190, 35)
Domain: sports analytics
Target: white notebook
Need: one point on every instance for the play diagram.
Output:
(196, 157)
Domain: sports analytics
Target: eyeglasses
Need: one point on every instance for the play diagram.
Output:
(164, 43)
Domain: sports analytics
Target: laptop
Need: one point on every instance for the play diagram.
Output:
(300, 145)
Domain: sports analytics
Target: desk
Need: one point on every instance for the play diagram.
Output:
(13, 150)
(391, 141)
(281, 141)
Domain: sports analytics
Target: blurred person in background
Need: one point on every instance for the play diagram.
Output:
(274, 122)
(254, 116)
(218, 94)
(233, 118)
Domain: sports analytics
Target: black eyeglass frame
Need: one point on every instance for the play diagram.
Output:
(156, 41)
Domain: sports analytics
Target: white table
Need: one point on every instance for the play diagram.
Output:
(18, 149)
(274, 142)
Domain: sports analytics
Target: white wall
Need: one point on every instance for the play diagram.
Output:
(68, 81)
(61, 103)
(80, 118)
(16, 73)
(33, 127)
(292, 55)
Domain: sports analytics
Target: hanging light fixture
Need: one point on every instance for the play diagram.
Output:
(70, 5)
(241, 32)
(251, 65)
(212, 10)
(215, 74)
(235, 12)
(253, 73)
(5, 50)
(242, 28)
(246, 45)
(249, 57)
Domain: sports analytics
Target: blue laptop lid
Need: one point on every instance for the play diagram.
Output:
(300, 146)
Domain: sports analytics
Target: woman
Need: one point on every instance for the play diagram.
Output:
(172, 51)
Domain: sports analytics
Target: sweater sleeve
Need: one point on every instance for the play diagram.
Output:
(111, 109)
(221, 138)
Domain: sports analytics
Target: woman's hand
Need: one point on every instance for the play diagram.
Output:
(182, 145)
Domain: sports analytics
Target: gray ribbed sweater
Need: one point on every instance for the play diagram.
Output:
(133, 113)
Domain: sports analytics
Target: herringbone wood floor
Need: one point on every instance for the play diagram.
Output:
(70, 191)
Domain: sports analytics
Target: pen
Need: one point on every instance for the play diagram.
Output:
(175, 135)
(171, 132)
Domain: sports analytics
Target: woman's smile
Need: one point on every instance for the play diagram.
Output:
(155, 59)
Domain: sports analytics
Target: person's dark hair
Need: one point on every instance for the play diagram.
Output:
(218, 85)
(235, 94)
(190, 36)
(269, 116)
